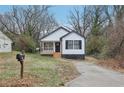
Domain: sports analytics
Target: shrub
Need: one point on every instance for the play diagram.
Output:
(95, 45)
(25, 43)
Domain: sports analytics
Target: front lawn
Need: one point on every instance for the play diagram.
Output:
(38, 71)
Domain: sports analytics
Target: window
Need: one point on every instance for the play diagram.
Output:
(69, 44)
(48, 46)
(77, 44)
(5, 45)
(73, 44)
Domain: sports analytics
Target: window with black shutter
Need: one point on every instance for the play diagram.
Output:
(77, 44)
(80, 44)
(66, 45)
(69, 44)
(73, 44)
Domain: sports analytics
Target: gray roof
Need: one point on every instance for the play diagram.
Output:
(55, 31)
(70, 33)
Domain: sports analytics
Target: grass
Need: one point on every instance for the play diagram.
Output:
(38, 71)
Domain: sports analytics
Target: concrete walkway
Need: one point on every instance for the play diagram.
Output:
(95, 76)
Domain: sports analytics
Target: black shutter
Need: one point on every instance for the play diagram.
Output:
(66, 44)
(80, 44)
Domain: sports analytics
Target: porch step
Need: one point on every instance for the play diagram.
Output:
(56, 54)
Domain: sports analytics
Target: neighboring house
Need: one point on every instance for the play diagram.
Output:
(68, 44)
(5, 43)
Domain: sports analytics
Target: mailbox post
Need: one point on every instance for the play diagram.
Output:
(20, 57)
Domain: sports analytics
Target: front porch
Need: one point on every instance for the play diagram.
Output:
(50, 48)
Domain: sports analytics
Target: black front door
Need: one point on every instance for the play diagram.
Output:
(57, 46)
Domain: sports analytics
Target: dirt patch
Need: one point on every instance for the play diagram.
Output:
(27, 81)
(111, 64)
(91, 59)
(1, 60)
(2, 69)
(67, 71)
(117, 65)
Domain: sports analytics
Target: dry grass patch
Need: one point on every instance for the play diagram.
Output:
(111, 64)
(67, 71)
(91, 59)
(38, 71)
(27, 81)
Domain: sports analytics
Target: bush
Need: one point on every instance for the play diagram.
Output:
(104, 52)
(25, 43)
(95, 45)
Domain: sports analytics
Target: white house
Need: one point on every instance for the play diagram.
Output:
(68, 44)
(5, 43)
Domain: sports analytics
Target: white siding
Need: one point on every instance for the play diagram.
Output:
(3, 36)
(5, 45)
(73, 36)
(55, 36)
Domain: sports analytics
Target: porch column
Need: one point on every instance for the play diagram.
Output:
(53, 46)
(41, 46)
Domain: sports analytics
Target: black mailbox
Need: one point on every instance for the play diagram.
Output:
(20, 57)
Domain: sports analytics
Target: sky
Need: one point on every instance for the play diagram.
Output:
(61, 12)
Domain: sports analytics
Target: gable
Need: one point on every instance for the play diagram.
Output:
(73, 36)
(55, 35)
(4, 37)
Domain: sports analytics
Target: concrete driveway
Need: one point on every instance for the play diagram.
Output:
(95, 76)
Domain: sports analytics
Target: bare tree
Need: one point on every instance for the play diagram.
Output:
(81, 20)
(116, 33)
(99, 19)
(90, 18)
(30, 20)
